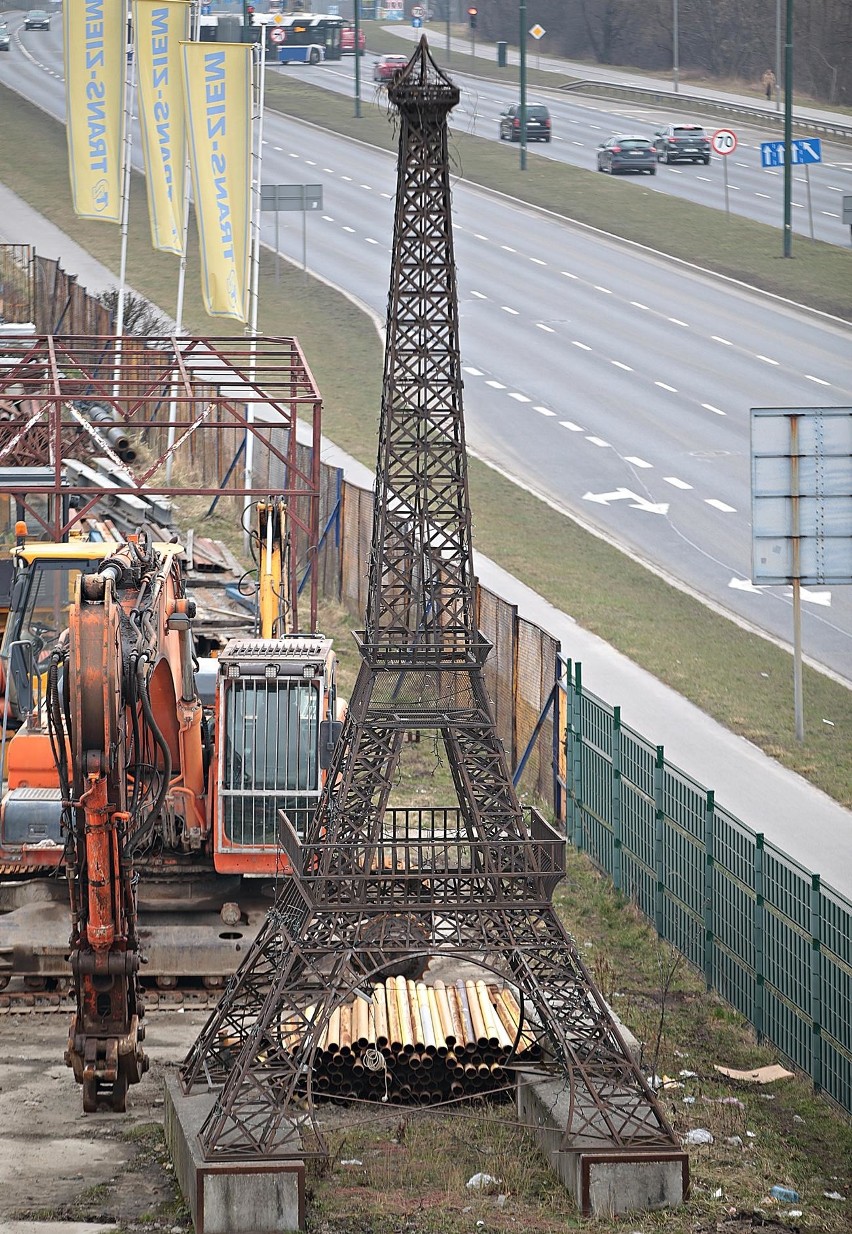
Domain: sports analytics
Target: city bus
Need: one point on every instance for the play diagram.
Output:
(318, 29)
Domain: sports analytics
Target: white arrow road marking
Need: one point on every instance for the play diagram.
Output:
(745, 584)
(624, 494)
(817, 597)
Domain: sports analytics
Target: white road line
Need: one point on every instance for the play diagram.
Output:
(537, 261)
(724, 341)
(351, 230)
(767, 359)
(663, 386)
(471, 371)
(676, 321)
(326, 169)
(542, 326)
(328, 218)
(719, 505)
(545, 411)
(519, 398)
(506, 309)
(507, 248)
(765, 196)
(310, 162)
(639, 305)
(618, 364)
(348, 179)
(495, 385)
(571, 426)
(709, 407)
(568, 274)
(582, 346)
(371, 241)
(676, 483)
(605, 290)
(477, 236)
(479, 295)
(818, 380)
(387, 196)
(637, 462)
(599, 441)
(368, 187)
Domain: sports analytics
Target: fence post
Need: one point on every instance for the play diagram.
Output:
(709, 902)
(615, 798)
(659, 835)
(816, 982)
(558, 802)
(758, 937)
(576, 705)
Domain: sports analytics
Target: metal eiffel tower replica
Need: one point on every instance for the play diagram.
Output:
(375, 887)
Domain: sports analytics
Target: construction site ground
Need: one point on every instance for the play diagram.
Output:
(84, 1172)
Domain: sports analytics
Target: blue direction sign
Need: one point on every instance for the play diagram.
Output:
(804, 150)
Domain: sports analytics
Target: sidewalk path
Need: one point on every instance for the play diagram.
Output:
(796, 817)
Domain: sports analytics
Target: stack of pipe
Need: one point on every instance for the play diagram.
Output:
(420, 1044)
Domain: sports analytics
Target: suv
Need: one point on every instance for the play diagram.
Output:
(5, 37)
(538, 123)
(682, 143)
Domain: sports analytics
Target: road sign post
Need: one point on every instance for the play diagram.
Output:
(538, 32)
(803, 152)
(724, 142)
(304, 197)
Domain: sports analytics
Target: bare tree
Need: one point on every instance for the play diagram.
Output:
(140, 316)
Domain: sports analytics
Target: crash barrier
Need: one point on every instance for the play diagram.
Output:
(766, 933)
(768, 936)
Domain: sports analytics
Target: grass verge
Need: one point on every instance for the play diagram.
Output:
(739, 678)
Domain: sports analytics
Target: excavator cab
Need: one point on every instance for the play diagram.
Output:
(277, 725)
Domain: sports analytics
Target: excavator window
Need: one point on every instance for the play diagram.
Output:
(271, 757)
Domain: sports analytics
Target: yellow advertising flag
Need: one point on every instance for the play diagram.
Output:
(95, 35)
(160, 26)
(217, 94)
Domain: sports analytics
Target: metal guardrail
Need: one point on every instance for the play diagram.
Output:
(699, 103)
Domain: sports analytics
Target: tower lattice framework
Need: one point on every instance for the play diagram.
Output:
(375, 886)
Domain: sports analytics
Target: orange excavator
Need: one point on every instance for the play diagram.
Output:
(170, 777)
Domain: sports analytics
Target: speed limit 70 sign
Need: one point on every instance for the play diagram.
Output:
(724, 141)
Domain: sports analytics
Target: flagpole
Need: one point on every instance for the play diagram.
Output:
(129, 91)
(257, 163)
(194, 35)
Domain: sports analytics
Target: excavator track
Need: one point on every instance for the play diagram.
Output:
(47, 1002)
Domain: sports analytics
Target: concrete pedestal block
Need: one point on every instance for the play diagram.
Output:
(605, 1182)
(229, 1197)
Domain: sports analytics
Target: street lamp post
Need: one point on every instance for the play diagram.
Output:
(357, 37)
(788, 133)
(522, 13)
(675, 40)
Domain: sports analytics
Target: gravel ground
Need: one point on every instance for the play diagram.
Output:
(58, 1164)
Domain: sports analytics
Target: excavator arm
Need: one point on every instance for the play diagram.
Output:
(126, 734)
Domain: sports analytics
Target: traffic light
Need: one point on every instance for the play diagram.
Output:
(471, 17)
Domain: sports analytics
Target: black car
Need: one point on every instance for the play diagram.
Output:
(627, 152)
(538, 123)
(37, 19)
(682, 143)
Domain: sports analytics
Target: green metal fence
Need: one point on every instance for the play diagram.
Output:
(767, 935)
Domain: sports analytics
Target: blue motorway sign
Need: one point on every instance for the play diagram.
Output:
(804, 150)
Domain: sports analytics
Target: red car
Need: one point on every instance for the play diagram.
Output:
(347, 41)
(387, 67)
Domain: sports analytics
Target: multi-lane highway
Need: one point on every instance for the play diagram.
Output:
(581, 124)
(607, 379)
